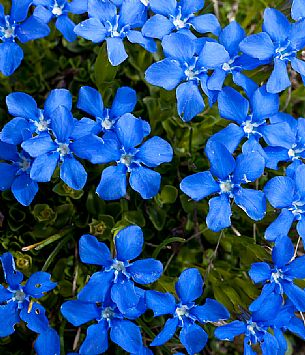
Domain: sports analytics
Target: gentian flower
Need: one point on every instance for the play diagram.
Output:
(118, 274)
(279, 278)
(287, 194)
(28, 118)
(279, 43)
(60, 146)
(230, 176)
(47, 343)
(17, 300)
(249, 116)
(109, 319)
(171, 15)
(15, 173)
(46, 10)
(289, 142)
(15, 27)
(184, 69)
(91, 101)
(114, 24)
(185, 313)
(123, 148)
(255, 327)
(298, 10)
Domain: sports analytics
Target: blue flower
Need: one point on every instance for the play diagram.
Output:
(230, 175)
(28, 118)
(66, 140)
(17, 27)
(250, 117)
(183, 68)
(15, 174)
(288, 195)
(171, 15)
(46, 10)
(118, 274)
(109, 319)
(185, 313)
(279, 278)
(121, 146)
(114, 24)
(17, 300)
(279, 43)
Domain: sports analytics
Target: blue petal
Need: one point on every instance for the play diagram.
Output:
(24, 189)
(97, 288)
(56, 98)
(91, 251)
(162, 7)
(231, 330)
(90, 101)
(189, 285)
(189, 7)
(278, 135)
(7, 176)
(140, 308)
(258, 46)
(84, 127)
(66, 27)
(15, 130)
(253, 202)
(274, 155)
(132, 13)
(160, 303)
(222, 162)
(297, 327)
(281, 226)
(217, 79)
(124, 296)
(129, 243)
(43, 167)
(5, 294)
(199, 186)
(276, 25)
(145, 181)
(269, 345)
(193, 337)
(62, 123)
(166, 73)
(39, 145)
(232, 105)
(12, 276)
(296, 268)
(219, 216)
(301, 228)
(299, 180)
(264, 104)
(179, 47)
(269, 309)
(19, 10)
(246, 83)
(102, 10)
(11, 56)
(23, 105)
(78, 6)
(8, 152)
(78, 312)
(116, 50)
(8, 318)
(124, 101)
(127, 335)
(167, 332)
(281, 117)
(249, 167)
(211, 311)
(48, 343)
(73, 173)
(147, 43)
(44, 14)
(260, 272)
(298, 65)
(91, 29)
(297, 9)
(189, 100)
(205, 23)
(230, 137)
(145, 271)
(231, 36)
(280, 191)
(32, 28)
(213, 55)
(113, 183)
(157, 26)
(283, 251)
(38, 284)
(129, 131)
(96, 341)
(279, 79)
(295, 294)
(35, 317)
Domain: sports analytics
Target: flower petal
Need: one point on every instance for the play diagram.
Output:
(193, 337)
(127, 335)
(145, 271)
(96, 341)
(113, 183)
(97, 288)
(219, 216)
(160, 303)
(280, 191)
(189, 286)
(91, 251)
(38, 284)
(78, 312)
(129, 243)
(145, 181)
(167, 332)
(211, 311)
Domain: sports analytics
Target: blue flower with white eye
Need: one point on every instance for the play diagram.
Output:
(15, 173)
(287, 194)
(17, 26)
(114, 24)
(255, 327)
(279, 43)
(46, 10)
(17, 299)
(185, 70)
(118, 274)
(123, 331)
(279, 278)
(185, 313)
(171, 16)
(249, 116)
(91, 101)
(28, 119)
(122, 147)
(230, 175)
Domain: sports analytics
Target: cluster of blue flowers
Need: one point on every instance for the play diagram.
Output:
(38, 141)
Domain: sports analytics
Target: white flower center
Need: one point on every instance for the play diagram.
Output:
(178, 23)
(63, 149)
(57, 10)
(182, 311)
(226, 66)
(277, 276)
(24, 164)
(291, 153)
(8, 32)
(226, 186)
(248, 127)
(118, 266)
(107, 313)
(145, 2)
(126, 159)
(19, 296)
(107, 123)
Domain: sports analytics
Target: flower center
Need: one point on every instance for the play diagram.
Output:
(118, 266)
(19, 296)
(284, 52)
(178, 23)
(297, 209)
(63, 149)
(226, 186)
(277, 276)
(8, 31)
(107, 123)
(57, 10)
(107, 313)
(145, 2)
(24, 164)
(182, 311)
(248, 127)
(126, 159)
